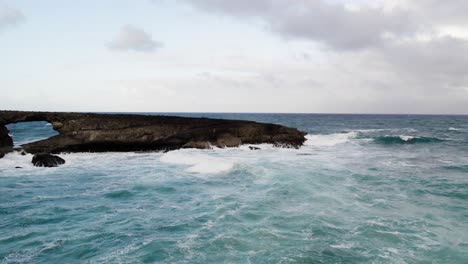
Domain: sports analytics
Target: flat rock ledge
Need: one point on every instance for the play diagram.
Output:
(84, 132)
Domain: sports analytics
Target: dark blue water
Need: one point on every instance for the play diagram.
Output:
(363, 189)
(30, 131)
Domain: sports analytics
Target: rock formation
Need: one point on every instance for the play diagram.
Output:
(47, 160)
(82, 132)
(5, 140)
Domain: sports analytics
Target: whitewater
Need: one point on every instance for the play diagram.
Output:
(362, 189)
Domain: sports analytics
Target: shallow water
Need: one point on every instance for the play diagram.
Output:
(363, 189)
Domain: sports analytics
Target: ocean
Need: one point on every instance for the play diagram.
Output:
(363, 189)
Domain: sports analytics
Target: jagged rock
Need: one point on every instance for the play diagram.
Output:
(47, 160)
(80, 132)
(254, 148)
(6, 142)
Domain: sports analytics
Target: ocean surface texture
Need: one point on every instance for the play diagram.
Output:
(363, 189)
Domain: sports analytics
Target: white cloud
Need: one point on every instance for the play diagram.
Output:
(133, 38)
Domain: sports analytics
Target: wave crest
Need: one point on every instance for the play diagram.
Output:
(330, 139)
(405, 140)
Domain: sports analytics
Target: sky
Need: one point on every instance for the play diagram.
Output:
(281, 56)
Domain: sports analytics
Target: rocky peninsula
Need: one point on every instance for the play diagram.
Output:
(87, 132)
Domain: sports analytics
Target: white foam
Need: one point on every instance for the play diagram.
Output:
(198, 161)
(14, 159)
(343, 246)
(372, 130)
(330, 139)
(406, 138)
(454, 129)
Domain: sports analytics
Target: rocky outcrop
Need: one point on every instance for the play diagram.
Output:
(6, 142)
(5, 139)
(47, 160)
(82, 132)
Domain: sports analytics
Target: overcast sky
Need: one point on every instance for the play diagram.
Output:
(314, 56)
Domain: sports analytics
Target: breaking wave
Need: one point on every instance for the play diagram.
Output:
(405, 140)
(341, 198)
(198, 162)
(330, 139)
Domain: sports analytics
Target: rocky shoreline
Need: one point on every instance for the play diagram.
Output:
(86, 132)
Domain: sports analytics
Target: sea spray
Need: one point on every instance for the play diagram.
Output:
(330, 139)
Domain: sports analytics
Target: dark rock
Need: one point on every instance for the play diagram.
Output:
(18, 167)
(197, 145)
(254, 148)
(5, 140)
(81, 132)
(47, 160)
(23, 153)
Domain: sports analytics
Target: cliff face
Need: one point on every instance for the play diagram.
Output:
(79, 132)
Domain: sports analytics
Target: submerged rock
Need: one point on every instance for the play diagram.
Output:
(253, 148)
(47, 160)
(81, 132)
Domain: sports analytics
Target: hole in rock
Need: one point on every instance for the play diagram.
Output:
(28, 132)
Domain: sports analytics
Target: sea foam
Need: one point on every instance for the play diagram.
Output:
(344, 194)
(15, 159)
(198, 162)
(330, 139)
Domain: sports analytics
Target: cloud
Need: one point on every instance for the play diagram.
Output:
(441, 56)
(436, 11)
(133, 38)
(10, 16)
(391, 55)
(346, 25)
(334, 25)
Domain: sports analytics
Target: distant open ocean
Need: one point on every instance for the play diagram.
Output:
(363, 189)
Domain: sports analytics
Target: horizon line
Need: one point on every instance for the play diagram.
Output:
(278, 113)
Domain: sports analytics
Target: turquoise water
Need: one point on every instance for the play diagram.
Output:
(364, 189)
